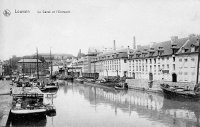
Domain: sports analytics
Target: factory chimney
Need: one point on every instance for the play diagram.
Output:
(134, 43)
(114, 45)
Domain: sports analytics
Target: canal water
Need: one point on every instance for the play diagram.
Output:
(81, 105)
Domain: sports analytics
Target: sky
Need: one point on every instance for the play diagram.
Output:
(92, 23)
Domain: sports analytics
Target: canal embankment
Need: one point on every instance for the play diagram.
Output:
(5, 101)
(143, 84)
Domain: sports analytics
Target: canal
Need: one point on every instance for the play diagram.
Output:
(81, 105)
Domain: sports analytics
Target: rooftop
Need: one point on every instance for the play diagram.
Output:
(29, 61)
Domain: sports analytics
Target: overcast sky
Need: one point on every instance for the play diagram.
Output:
(93, 23)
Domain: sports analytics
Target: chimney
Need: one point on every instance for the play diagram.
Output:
(134, 43)
(128, 50)
(114, 45)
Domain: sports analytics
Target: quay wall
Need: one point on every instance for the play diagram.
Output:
(143, 83)
(5, 102)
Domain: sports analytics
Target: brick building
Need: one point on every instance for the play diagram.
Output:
(29, 66)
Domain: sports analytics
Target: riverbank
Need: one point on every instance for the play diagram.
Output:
(143, 85)
(5, 101)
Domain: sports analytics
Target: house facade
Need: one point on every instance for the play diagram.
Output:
(157, 61)
(29, 66)
(113, 63)
(187, 58)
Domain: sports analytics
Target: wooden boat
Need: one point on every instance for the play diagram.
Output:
(28, 101)
(50, 86)
(175, 92)
(79, 80)
(121, 86)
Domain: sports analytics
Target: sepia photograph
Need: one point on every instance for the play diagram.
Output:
(99, 63)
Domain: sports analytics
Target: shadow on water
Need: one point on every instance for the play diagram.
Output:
(30, 121)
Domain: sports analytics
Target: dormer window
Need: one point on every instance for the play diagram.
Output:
(184, 49)
(192, 48)
(160, 50)
(151, 51)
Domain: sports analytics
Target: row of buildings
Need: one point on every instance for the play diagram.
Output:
(28, 64)
(173, 60)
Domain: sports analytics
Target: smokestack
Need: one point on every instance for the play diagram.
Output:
(134, 43)
(114, 45)
(128, 50)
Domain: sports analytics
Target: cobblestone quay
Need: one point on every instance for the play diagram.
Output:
(5, 101)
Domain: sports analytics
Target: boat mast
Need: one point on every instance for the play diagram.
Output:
(37, 66)
(51, 63)
(23, 68)
(198, 62)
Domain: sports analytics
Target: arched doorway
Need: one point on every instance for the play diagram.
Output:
(133, 75)
(174, 77)
(150, 76)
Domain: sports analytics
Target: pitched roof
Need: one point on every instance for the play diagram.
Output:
(151, 51)
(29, 61)
(192, 41)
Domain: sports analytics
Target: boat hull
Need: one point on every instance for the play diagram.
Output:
(120, 88)
(168, 93)
(25, 112)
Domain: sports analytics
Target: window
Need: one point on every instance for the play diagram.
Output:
(154, 61)
(185, 73)
(192, 59)
(167, 66)
(180, 60)
(174, 59)
(173, 66)
(124, 61)
(150, 68)
(185, 59)
(192, 49)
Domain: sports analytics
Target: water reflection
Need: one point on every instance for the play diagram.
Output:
(81, 105)
(36, 121)
(154, 107)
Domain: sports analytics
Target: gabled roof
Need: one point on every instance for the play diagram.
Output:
(164, 47)
(192, 41)
(29, 61)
